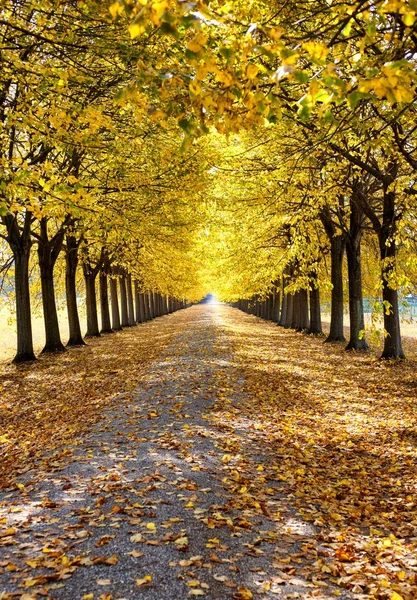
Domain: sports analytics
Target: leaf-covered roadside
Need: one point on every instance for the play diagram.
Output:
(51, 403)
(336, 434)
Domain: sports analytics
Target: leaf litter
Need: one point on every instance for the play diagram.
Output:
(249, 462)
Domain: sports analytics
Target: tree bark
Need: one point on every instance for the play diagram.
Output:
(295, 321)
(337, 250)
(91, 305)
(303, 321)
(115, 312)
(146, 306)
(276, 306)
(353, 253)
(48, 251)
(104, 304)
(315, 309)
(20, 243)
(21, 256)
(142, 303)
(289, 311)
(71, 264)
(284, 306)
(392, 342)
(130, 304)
(386, 229)
(157, 304)
(152, 313)
(123, 301)
(138, 317)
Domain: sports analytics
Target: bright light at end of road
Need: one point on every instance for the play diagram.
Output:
(211, 299)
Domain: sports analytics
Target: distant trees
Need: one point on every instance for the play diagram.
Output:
(113, 159)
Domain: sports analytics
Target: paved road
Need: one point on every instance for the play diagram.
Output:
(152, 507)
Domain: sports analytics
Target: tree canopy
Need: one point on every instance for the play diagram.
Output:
(241, 147)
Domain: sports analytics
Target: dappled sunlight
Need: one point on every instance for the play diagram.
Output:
(41, 403)
(268, 464)
(343, 449)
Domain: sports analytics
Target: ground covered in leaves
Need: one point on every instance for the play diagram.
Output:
(44, 405)
(248, 462)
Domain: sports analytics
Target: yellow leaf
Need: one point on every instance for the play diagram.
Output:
(316, 50)
(395, 596)
(226, 458)
(30, 582)
(135, 30)
(88, 596)
(243, 594)
(194, 46)
(137, 537)
(136, 553)
(115, 9)
(409, 19)
(151, 526)
(144, 581)
(275, 33)
(182, 541)
(158, 9)
(196, 593)
(193, 583)
(251, 71)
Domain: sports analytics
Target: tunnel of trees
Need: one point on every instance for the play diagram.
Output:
(154, 151)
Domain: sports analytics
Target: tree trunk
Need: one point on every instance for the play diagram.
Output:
(123, 301)
(47, 255)
(142, 305)
(130, 305)
(138, 318)
(289, 311)
(386, 229)
(284, 306)
(151, 305)
(20, 244)
(353, 253)
(286, 276)
(146, 306)
(337, 250)
(276, 306)
(71, 264)
(315, 312)
(303, 322)
(23, 316)
(392, 342)
(91, 304)
(104, 304)
(295, 322)
(115, 312)
(157, 304)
